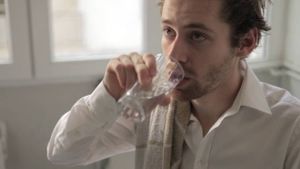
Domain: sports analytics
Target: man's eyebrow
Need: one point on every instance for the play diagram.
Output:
(191, 25)
(165, 21)
(199, 26)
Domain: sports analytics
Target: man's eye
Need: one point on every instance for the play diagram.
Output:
(197, 36)
(168, 32)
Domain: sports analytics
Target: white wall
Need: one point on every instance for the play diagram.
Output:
(30, 113)
(292, 44)
(292, 53)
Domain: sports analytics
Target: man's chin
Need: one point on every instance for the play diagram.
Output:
(189, 92)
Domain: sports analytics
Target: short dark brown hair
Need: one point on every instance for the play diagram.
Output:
(242, 16)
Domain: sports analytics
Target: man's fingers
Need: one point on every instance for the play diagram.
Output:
(115, 67)
(124, 71)
(149, 60)
(141, 69)
(129, 70)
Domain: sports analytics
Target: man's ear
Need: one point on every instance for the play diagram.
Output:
(247, 43)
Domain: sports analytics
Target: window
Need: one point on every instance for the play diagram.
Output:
(76, 37)
(93, 29)
(14, 40)
(46, 39)
(260, 54)
(4, 56)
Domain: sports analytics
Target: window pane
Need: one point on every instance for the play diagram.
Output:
(92, 29)
(259, 53)
(4, 54)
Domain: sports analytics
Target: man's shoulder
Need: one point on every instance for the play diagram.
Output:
(281, 101)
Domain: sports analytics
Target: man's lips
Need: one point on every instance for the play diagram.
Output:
(186, 78)
(182, 82)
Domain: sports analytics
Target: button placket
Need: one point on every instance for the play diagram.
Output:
(203, 153)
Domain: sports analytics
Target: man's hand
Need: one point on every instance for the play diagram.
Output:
(122, 72)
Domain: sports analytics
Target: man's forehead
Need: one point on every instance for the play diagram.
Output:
(193, 7)
(191, 10)
(194, 14)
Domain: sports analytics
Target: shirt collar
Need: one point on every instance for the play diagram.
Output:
(251, 93)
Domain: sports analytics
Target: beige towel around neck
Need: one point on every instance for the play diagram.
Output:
(160, 137)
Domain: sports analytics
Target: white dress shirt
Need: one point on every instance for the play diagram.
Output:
(261, 130)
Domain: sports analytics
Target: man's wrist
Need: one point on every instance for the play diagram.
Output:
(102, 102)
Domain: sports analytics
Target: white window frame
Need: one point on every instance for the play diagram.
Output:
(18, 46)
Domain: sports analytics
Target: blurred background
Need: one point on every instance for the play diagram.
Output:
(52, 52)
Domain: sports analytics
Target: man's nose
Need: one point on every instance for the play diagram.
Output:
(178, 50)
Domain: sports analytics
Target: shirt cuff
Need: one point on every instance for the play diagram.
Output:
(103, 104)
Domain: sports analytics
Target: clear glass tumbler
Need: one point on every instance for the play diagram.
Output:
(138, 102)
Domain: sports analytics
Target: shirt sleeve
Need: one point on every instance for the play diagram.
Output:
(293, 155)
(91, 131)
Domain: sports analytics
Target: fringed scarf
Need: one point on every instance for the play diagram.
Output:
(160, 138)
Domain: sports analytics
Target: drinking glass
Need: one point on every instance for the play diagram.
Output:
(137, 102)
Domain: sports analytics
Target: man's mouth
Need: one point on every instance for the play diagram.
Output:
(183, 82)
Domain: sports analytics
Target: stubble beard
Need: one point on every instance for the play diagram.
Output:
(211, 81)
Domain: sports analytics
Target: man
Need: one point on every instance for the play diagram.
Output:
(222, 117)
